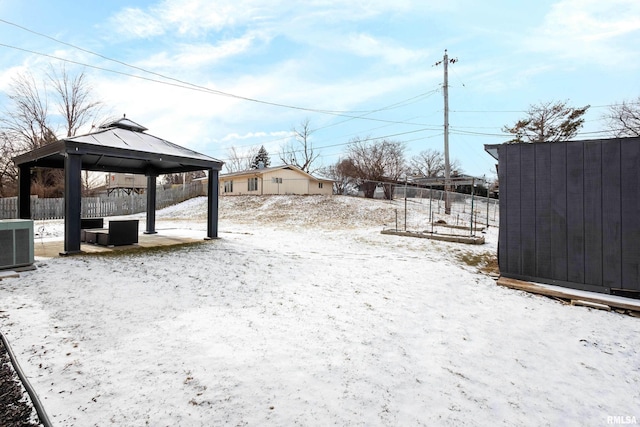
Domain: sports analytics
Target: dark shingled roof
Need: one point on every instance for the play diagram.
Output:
(121, 146)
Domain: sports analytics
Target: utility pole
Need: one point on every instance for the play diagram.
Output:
(447, 165)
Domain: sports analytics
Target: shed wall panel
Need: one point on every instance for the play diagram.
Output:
(528, 209)
(558, 209)
(630, 186)
(575, 213)
(611, 214)
(543, 215)
(513, 238)
(505, 185)
(593, 213)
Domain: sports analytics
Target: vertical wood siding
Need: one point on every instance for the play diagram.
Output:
(570, 213)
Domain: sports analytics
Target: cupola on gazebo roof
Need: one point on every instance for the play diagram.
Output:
(119, 146)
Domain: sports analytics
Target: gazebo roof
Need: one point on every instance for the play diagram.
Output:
(121, 146)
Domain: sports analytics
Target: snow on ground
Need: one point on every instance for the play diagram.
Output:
(302, 313)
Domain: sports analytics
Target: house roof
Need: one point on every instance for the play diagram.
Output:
(258, 172)
(455, 180)
(121, 146)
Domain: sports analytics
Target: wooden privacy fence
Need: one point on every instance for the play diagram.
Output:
(102, 206)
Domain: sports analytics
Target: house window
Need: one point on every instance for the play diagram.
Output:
(276, 180)
(320, 185)
(228, 186)
(252, 184)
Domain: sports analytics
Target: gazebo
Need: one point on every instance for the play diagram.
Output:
(119, 146)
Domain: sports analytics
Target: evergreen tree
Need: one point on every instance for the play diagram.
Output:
(548, 122)
(261, 160)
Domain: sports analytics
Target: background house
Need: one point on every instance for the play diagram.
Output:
(569, 213)
(125, 182)
(285, 179)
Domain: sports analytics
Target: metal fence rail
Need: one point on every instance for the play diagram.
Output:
(469, 213)
(101, 206)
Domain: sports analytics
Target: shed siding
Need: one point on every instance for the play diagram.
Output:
(512, 215)
(528, 209)
(575, 213)
(593, 213)
(612, 216)
(630, 160)
(570, 213)
(543, 215)
(558, 209)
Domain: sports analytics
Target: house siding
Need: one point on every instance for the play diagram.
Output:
(277, 181)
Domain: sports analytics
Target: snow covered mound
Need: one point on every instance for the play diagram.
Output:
(310, 211)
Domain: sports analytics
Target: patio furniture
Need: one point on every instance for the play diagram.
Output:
(89, 223)
(120, 232)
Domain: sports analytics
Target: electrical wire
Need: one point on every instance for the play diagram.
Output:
(185, 84)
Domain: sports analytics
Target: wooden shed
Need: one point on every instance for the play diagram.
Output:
(570, 213)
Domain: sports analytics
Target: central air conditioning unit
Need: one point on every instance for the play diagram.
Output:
(16, 243)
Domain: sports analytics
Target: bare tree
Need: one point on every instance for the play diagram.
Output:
(342, 175)
(28, 123)
(375, 162)
(548, 122)
(239, 161)
(624, 119)
(428, 163)
(300, 152)
(8, 172)
(75, 99)
(76, 105)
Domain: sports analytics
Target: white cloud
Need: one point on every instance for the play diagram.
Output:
(369, 46)
(196, 18)
(136, 23)
(589, 30)
(254, 135)
(198, 55)
(188, 18)
(8, 74)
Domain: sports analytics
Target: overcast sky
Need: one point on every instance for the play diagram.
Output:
(352, 68)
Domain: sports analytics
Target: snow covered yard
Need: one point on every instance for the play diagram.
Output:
(304, 314)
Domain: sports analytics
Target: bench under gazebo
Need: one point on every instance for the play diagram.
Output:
(119, 146)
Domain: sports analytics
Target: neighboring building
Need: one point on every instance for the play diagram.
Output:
(569, 213)
(125, 182)
(285, 179)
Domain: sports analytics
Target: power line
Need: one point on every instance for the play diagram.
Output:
(203, 89)
(367, 139)
(183, 83)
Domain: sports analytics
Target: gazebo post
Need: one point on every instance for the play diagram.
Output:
(24, 191)
(151, 204)
(72, 202)
(212, 204)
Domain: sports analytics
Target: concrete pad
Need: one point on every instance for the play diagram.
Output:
(52, 249)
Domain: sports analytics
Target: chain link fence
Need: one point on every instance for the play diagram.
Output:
(423, 209)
